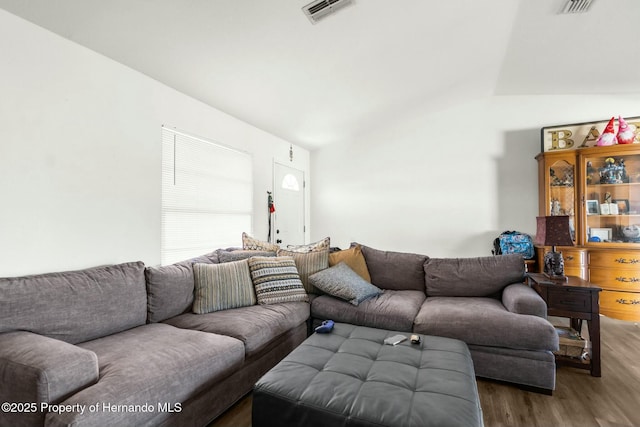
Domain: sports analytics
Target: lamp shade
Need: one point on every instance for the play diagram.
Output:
(553, 231)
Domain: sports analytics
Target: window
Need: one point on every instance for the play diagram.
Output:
(207, 196)
(289, 182)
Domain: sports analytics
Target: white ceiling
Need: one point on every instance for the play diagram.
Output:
(262, 61)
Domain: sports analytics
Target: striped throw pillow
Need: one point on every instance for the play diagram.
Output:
(276, 280)
(222, 286)
(307, 264)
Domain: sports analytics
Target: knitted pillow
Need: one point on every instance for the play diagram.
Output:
(276, 280)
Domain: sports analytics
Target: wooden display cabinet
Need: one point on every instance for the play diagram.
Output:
(599, 188)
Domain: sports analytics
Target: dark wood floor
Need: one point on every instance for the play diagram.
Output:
(579, 400)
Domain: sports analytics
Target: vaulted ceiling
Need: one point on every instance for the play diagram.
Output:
(263, 62)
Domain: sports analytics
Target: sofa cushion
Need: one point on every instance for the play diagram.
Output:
(393, 310)
(170, 287)
(75, 306)
(472, 277)
(342, 282)
(253, 244)
(222, 286)
(354, 258)
(256, 326)
(484, 321)
(395, 270)
(151, 364)
(308, 263)
(276, 280)
(38, 370)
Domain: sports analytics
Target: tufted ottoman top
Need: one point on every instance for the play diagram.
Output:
(350, 378)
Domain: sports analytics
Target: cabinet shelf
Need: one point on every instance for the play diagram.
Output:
(613, 216)
(622, 184)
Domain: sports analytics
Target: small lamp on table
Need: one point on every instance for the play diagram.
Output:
(554, 231)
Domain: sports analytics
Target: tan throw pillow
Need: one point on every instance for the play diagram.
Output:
(354, 259)
(252, 244)
(222, 286)
(276, 280)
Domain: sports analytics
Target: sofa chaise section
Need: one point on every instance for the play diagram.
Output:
(483, 302)
(37, 370)
(149, 372)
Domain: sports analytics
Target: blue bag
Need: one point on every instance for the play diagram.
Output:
(514, 242)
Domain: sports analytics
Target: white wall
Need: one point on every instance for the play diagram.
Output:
(446, 183)
(80, 154)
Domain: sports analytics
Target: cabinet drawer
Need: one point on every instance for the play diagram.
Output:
(615, 259)
(615, 278)
(570, 299)
(573, 258)
(620, 305)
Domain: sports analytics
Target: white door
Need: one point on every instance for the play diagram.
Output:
(288, 198)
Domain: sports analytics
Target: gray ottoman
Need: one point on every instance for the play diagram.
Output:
(350, 378)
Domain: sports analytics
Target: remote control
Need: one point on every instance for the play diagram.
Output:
(325, 327)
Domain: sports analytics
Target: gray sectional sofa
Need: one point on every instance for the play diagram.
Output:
(481, 301)
(118, 346)
(121, 345)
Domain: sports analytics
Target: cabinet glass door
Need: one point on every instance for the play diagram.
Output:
(612, 197)
(561, 191)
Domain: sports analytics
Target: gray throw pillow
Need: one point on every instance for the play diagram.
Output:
(342, 282)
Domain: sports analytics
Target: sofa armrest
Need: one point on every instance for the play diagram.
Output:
(36, 369)
(520, 298)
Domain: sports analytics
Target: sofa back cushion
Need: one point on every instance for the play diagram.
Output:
(170, 287)
(75, 306)
(472, 277)
(395, 270)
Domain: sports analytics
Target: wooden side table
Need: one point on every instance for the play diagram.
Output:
(577, 299)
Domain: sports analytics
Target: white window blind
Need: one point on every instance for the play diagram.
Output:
(207, 196)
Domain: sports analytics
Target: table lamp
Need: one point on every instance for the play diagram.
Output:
(553, 231)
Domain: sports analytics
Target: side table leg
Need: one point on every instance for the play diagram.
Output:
(577, 325)
(594, 334)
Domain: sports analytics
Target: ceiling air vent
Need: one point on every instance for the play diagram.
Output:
(318, 9)
(576, 6)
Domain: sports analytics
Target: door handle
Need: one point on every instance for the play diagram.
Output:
(278, 240)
